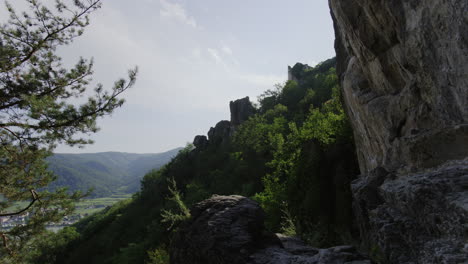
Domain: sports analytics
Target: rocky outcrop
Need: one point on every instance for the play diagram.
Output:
(402, 67)
(200, 142)
(241, 110)
(219, 133)
(418, 218)
(229, 229)
(222, 229)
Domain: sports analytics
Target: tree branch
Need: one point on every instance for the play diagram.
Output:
(35, 198)
(48, 92)
(50, 35)
(5, 243)
(71, 122)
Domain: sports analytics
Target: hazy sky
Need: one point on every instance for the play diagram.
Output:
(194, 57)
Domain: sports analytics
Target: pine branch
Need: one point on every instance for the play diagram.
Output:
(50, 35)
(35, 198)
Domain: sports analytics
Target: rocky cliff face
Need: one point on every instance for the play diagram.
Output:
(403, 70)
(241, 110)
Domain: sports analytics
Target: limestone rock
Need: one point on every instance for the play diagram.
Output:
(293, 250)
(222, 229)
(403, 69)
(417, 218)
(230, 230)
(200, 142)
(241, 110)
(219, 133)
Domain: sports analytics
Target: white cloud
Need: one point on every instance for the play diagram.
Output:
(176, 12)
(218, 57)
(215, 55)
(226, 49)
(196, 54)
(223, 57)
(262, 80)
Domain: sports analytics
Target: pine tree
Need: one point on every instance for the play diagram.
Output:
(38, 111)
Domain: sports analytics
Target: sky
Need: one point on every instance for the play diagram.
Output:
(194, 56)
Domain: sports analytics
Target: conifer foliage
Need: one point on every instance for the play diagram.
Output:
(38, 110)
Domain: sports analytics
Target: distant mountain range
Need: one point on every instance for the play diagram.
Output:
(107, 173)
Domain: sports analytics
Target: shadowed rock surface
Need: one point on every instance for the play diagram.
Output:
(219, 133)
(241, 110)
(403, 71)
(200, 141)
(222, 229)
(416, 218)
(294, 251)
(230, 230)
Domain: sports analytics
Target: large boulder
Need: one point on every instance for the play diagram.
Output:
(402, 67)
(222, 229)
(230, 230)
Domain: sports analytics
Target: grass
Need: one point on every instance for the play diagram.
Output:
(85, 206)
(90, 206)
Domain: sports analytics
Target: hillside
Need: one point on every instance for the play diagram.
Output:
(297, 140)
(106, 173)
(362, 158)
